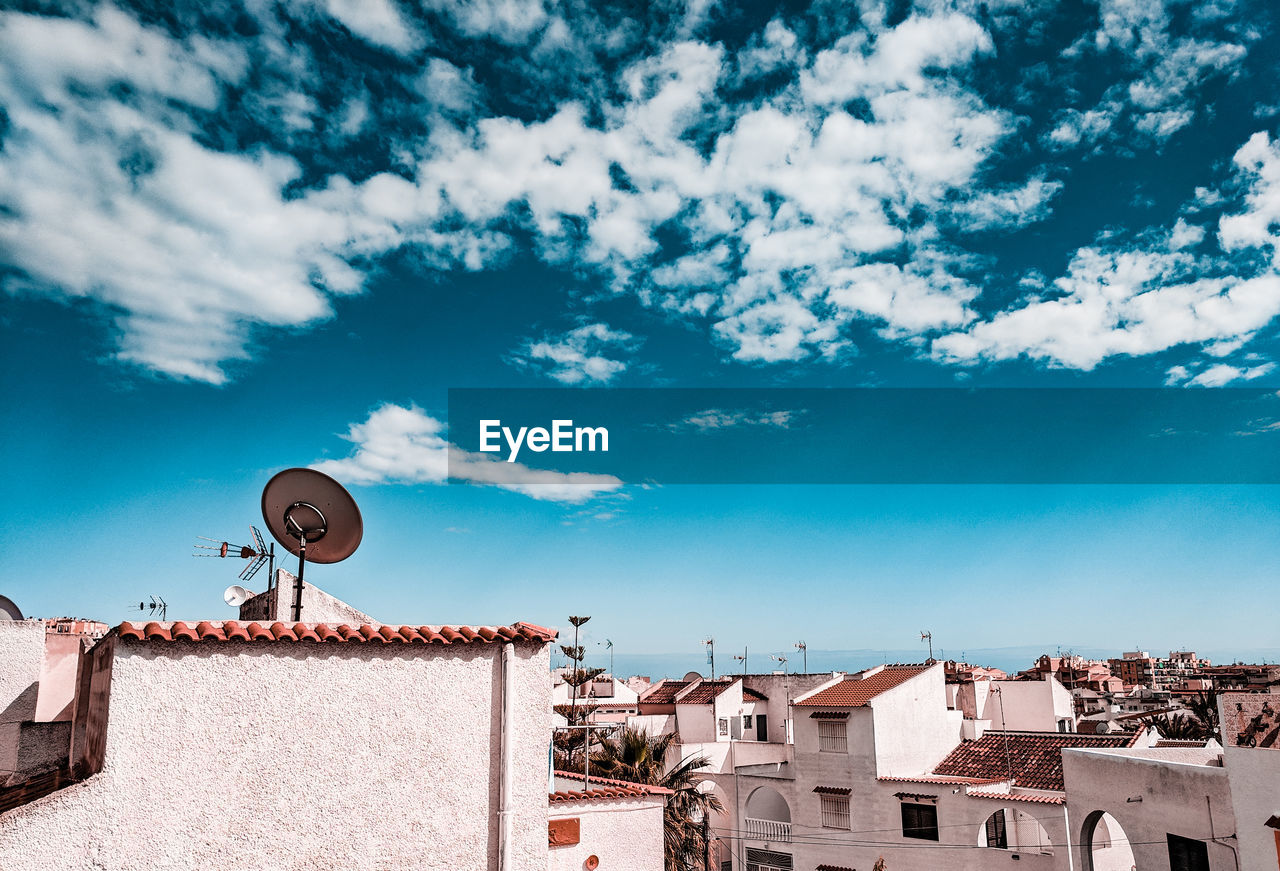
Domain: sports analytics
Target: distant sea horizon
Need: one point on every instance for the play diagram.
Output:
(1008, 659)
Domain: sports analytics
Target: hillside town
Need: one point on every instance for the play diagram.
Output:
(261, 743)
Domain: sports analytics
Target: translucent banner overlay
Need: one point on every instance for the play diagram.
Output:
(869, 436)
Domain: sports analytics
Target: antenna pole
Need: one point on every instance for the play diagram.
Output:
(297, 585)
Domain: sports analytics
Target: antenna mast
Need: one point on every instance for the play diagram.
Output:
(711, 655)
(928, 636)
(743, 658)
(804, 648)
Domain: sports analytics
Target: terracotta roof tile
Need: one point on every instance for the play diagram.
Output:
(1034, 758)
(857, 693)
(940, 779)
(832, 790)
(603, 788)
(1008, 796)
(319, 633)
(664, 692)
(749, 693)
(705, 693)
(834, 868)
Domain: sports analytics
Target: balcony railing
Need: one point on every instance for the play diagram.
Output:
(769, 830)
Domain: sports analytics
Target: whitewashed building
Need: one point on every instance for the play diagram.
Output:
(221, 744)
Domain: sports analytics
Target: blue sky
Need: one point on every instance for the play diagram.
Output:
(236, 237)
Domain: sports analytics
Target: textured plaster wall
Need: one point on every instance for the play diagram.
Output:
(21, 654)
(1254, 776)
(296, 756)
(1150, 799)
(624, 834)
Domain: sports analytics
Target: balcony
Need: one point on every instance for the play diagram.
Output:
(769, 830)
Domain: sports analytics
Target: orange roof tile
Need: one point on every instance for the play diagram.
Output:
(855, 693)
(603, 788)
(1033, 758)
(664, 692)
(1007, 796)
(232, 630)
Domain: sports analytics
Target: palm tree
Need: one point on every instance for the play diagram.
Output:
(1176, 727)
(638, 757)
(1204, 706)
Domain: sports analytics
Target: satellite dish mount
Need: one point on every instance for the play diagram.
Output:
(303, 507)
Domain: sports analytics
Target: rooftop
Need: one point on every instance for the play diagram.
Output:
(232, 630)
(600, 789)
(855, 692)
(1033, 758)
(664, 692)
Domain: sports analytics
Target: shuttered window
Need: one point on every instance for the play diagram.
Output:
(996, 835)
(1187, 854)
(919, 821)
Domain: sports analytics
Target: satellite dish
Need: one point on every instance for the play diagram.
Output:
(693, 675)
(236, 595)
(313, 517)
(9, 610)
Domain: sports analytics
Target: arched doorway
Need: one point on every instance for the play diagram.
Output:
(1015, 829)
(1104, 846)
(768, 816)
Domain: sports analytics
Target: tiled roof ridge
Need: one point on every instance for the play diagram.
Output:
(1009, 796)
(612, 788)
(855, 692)
(376, 633)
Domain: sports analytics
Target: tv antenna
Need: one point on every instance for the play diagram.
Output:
(778, 657)
(928, 636)
(157, 607)
(742, 659)
(804, 648)
(314, 517)
(258, 552)
(711, 655)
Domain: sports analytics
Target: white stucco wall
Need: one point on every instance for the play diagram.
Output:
(1027, 705)
(1150, 798)
(299, 756)
(21, 652)
(914, 729)
(1254, 777)
(624, 834)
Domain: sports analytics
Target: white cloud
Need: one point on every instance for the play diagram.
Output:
(1150, 297)
(583, 355)
(1165, 72)
(400, 445)
(377, 21)
(716, 418)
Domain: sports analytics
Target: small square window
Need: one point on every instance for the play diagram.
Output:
(919, 821)
(835, 812)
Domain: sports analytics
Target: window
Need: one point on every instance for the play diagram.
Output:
(723, 724)
(919, 821)
(835, 812)
(996, 835)
(768, 860)
(762, 728)
(746, 722)
(833, 736)
(1187, 854)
